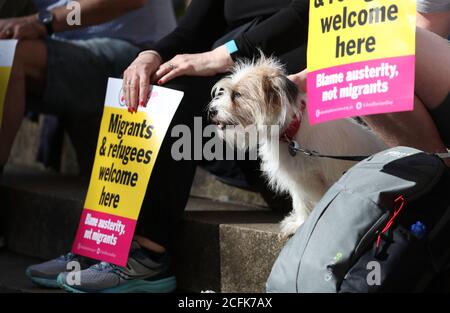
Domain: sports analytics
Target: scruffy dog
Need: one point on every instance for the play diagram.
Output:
(258, 93)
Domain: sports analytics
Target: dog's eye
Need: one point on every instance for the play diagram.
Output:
(218, 92)
(235, 95)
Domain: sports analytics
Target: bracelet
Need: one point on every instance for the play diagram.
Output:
(231, 47)
(155, 53)
(233, 50)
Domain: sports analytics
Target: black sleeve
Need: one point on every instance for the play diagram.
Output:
(278, 34)
(203, 23)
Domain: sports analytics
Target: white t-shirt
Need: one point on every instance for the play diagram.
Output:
(142, 26)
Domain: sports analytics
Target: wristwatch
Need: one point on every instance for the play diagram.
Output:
(46, 18)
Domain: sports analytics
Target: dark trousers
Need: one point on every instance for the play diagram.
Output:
(170, 184)
(10, 8)
(171, 181)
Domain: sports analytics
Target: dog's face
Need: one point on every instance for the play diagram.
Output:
(257, 93)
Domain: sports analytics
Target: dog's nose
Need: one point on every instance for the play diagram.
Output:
(212, 113)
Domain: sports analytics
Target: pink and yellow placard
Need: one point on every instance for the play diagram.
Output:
(127, 149)
(361, 58)
(7, 51)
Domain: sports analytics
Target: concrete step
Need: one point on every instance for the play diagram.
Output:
(12, 278)
(222, 247)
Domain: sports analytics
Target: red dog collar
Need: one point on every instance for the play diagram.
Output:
(289, 134)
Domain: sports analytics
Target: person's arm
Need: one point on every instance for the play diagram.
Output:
(186, 51)
(93, 12)
(280, 33)
(203, 23)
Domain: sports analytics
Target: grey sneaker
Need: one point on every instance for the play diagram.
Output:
(141, 274)
(45, 274)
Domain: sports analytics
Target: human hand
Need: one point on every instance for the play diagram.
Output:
(299, 79)
(27, 27)
(200, 64)
(137, 78)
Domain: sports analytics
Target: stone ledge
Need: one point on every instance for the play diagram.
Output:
(218, 242)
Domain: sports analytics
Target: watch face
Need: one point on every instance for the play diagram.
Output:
(46, 17)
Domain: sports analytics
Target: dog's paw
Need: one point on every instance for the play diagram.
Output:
(290, 224)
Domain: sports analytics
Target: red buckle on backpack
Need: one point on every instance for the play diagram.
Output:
(401, 203)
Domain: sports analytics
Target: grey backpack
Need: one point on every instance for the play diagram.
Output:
(383, 227)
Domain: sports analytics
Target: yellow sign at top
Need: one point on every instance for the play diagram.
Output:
(348, 31)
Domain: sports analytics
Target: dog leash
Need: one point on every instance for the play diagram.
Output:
(295, 148)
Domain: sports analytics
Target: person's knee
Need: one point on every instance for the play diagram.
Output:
(17, 72)
(432, 80)
(31, 55)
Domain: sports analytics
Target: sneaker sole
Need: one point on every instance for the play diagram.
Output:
(165, 285)
(43, 282)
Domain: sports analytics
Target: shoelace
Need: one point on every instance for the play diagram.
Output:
(103, 266)
(67, 257)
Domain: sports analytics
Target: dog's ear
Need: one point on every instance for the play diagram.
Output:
(291, 90)
(275, 86)
(270, 90)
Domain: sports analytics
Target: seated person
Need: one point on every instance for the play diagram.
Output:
(67, 67)
(194, 53)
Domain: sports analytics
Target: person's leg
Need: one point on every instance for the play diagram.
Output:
(149, 265)
(433, 79)
(51, 139)
(28, 71)
(437, 22)
(432, 68)
(27, 76)
(170, 184)
(417, 128)
(413, 129)
(74, 87)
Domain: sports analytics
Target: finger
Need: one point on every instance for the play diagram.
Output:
(144, 88)
(299, 79)
(124, 88)
(154, 79)
(128, 91)
(5, 33)
(302, 79)
(17, 33)
(164, 69)
(171, 75)
(134, 93)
